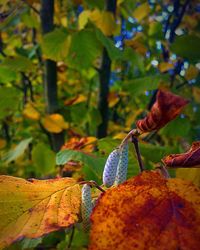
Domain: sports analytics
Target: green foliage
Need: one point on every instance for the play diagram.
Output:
(43, 159)
(17, 151)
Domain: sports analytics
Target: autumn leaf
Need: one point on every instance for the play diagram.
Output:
(54, 123)
(189, 159)
(165, 109)
(36, 207)
(147, 212)
(30, 112)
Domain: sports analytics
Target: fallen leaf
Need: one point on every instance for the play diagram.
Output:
(189, 159)
(54, 123)
(165, 109)
(36, 207)
(147, 212)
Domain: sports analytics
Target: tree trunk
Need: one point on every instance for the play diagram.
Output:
(50, 75)
(104, 78)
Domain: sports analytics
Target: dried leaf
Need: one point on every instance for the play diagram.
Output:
(37, 207)
(165, 109)
(147, 212)
(189, 159)
(54, 123)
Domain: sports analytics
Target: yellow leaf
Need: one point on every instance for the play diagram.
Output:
(30, 112)
(113, 99)
(191, 73)
(165, 66)
(54, 123)
(120, 136)
(141, 11)
(36, 207)
(75, 100)
(2, 143)
(83, 18)
(189, 174)
(104, 20)
(132, 117)
(196, 94)
(137, 44)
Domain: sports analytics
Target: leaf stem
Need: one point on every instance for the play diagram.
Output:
(71, 238)
(137, 150)
(133, 132)
(93, 184)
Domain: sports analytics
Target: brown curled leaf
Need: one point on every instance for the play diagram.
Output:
(147, 212)
(165, 109)
(36, 207)
(186, 160)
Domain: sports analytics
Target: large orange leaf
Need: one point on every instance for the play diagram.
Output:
(189, 159)
(147, 212)
(37, 207)
(165, 109)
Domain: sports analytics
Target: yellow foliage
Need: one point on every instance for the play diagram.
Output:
(113, 99)
(196, 94)
(2, 143)
(191, 73)
(37, 207)
(30, 112)
(104, 20)
(189, 174)
(54, 123)
(141, 11)
(165, 66)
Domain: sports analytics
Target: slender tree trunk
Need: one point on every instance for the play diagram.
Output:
(50, 75)
(104, 78)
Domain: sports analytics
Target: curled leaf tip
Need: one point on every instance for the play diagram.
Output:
(191, 158)
(166, 108)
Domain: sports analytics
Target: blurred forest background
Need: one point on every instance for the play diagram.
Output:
(77, 74)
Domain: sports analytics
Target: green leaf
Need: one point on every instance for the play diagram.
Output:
(93, 164)
(17, 151)
(187, 46)
(43, 159)
(83, 50)
(9, 99)
(18, 64)
(135, 58)
(154, 153)
(95, 4)
(55, 44)
(179, 127)
(113, 52)
(140, 85)
(7, 75)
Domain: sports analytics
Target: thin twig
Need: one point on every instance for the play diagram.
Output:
(133, 132)
(71, 238)
(137, 150)
(31, 7)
